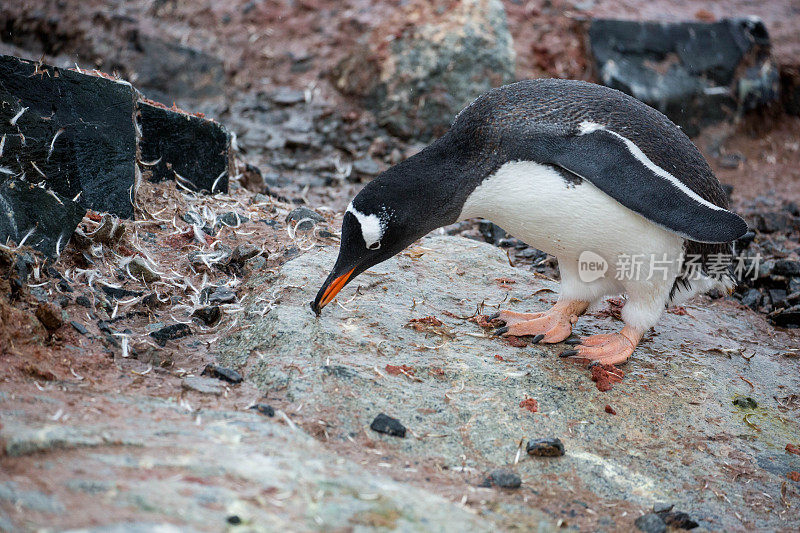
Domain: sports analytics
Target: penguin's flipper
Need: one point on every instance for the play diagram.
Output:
(619, 168)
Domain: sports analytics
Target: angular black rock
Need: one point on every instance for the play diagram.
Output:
(171, 332)
(545, 447)
(209, 315)
(72, 131)
(190, 149)
(678, 520)
(225, 374)
(388, 425)
(691, 71)
(119, 293)
(25, 207)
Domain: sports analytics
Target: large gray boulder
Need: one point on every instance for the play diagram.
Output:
(675, 424)
(444, 56)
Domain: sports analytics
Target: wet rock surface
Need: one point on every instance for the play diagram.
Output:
(687, 371)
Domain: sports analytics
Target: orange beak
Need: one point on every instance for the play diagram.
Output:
(332, 290)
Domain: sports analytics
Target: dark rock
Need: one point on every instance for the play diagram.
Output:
(777, 296)
(79, 133)
(388, 425)
(79, 328)
(774, 222)
(491, 232)
(234, 520)
(209, 315)
(171, 332)
(119, 293)
(734, 160)
(190, 149)
(308, 217)
(678, 520)
(167, 70)
(650, 523)
(691, 71)
(49, 314)
(244, 252)
(202, 385)
(231, 219)
(225, 374)
(745, 402)
(789, 317)
(429, 71)
(264, 409)
(505, 478)
(790, 88)
(64, 286)
(287, 96)
(545, 447)
(50, 219)
(752, 299)
(83, 301)
(220, 295)
(786, 267)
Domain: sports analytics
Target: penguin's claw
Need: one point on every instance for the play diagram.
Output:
(606, 349)
(499, 331)
(492, 317)
(549, 327)
(537, 338)
(572, 341)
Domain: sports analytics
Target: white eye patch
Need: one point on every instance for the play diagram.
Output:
(371, 227)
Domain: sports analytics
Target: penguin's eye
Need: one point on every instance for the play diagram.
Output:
(374, 245)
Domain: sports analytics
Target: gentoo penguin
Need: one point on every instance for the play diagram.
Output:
(583, 172)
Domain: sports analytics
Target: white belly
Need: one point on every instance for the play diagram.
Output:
(536, 204)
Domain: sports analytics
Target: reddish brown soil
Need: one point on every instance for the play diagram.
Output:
(605, 376)
(530, 404)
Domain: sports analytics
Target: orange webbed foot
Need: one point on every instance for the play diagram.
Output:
(550, 326)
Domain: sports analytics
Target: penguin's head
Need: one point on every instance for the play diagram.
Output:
(371, 233)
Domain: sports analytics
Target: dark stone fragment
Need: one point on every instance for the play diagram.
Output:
(79, 328)
(491, 231)
(209, 315)
(308, 217)
(691, 71)
(27, 207)
(78, 132)
(105, 327)
(119, 293)
(339, 371)
(243, 252)
(752, 299)
(234, 520)
(733, 160)
(192, 150)
(167, 70)
(745, 402)
(786, 267)
(64, 286)
(83, 301)
(49, 314)
(789, 317)
(225, 374)
(231, 219)
(505, 478)
(777, 296)
(171, 332)
(264, 409)
(774, 222)
(650, 523)
(792, 208)
(545, 448)
(388, 425)
(219, 295)
(678, 520)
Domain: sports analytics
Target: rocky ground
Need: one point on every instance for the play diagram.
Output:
(110, 413)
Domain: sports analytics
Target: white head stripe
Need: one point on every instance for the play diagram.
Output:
(371, 228)
(589, 127)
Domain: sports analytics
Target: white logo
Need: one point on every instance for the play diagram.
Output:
(591, 266)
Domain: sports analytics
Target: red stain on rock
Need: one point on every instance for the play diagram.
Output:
(395, 370)
(499, 357)
(610, 410)
(516, 342)
(793, 448)
(605, 376)
(794, 476)
(530, 404)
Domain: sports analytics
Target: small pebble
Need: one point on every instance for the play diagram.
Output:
(388, 425)
(545, 448)
(610, 410)
(264, 409)
(79, 328)
(225, 374)
(745, 402)
(171, 332)
(209, 315)
(505, 478)
(83, 301)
